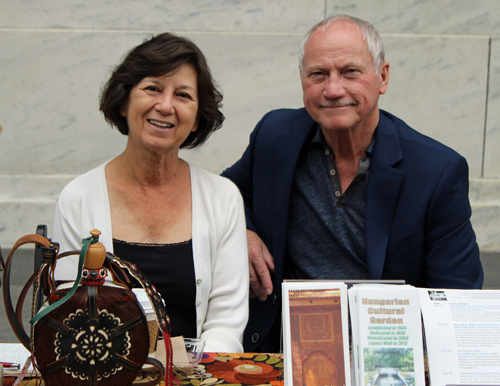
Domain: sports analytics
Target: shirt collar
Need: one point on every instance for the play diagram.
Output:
(319, 139)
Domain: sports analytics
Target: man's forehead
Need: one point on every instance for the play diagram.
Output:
(336, 31)
(341, 39)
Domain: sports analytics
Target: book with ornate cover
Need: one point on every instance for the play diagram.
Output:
(387, 344)
(315, 333)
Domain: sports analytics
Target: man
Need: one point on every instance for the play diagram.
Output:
(343, 190)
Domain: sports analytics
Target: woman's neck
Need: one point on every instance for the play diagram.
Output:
(148, 169)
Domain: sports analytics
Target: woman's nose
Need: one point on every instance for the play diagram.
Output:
(164, 104)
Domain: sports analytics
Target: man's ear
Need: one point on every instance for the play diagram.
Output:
(384, 75)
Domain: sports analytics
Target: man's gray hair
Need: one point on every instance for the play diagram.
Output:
(370, 36)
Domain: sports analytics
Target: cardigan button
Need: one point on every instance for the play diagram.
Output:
(198, 303)
(274, 298)
(199, 281)
(255, 338)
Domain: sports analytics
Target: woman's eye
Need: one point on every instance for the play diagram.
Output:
(185, 95)
(152, 88)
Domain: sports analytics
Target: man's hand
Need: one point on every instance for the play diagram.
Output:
(261, 263)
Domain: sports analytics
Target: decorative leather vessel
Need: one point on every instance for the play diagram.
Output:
(90, 330)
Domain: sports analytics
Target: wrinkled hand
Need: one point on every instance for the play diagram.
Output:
(261, 263)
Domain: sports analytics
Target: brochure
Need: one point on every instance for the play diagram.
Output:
(462, 334)
(14, 357)
(315, 333)
(387, 345)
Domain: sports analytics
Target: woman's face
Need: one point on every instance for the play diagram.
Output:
(162, 111)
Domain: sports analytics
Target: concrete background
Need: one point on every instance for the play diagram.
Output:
(55, 55)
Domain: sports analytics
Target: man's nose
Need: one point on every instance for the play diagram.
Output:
(164, 104)
(334, 87)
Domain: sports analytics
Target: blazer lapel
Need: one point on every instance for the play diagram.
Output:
(384, 181)
(287, 150)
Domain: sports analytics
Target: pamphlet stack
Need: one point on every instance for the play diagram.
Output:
(316, 337)
(462, 334)
(387, 345)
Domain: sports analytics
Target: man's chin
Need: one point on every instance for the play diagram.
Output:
(337, 128)
(337, 123)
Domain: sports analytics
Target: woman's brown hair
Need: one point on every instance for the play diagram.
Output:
(160, 55)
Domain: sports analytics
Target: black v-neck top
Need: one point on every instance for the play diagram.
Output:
(170, 268)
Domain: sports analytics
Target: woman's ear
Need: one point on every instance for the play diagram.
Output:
(123, 109)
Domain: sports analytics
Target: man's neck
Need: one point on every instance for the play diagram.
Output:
(348, 147)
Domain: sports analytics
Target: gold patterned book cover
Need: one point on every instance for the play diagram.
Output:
(316, 341)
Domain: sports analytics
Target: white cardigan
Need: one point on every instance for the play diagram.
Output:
(219, 247)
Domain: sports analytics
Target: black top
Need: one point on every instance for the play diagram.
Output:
(170, 268)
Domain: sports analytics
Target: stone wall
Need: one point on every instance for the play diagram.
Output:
(55, 55)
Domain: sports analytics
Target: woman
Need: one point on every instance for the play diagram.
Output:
(182, 226)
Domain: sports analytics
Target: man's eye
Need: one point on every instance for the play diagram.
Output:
(316, 75)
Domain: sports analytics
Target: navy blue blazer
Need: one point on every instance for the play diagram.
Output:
(418, 213)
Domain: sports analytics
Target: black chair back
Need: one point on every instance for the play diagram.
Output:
(2, 266)
(42, 231)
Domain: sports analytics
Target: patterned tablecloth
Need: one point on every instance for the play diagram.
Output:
(236, 369)
(224, 369)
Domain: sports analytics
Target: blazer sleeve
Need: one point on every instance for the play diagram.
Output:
(451, 252)
(241, 173)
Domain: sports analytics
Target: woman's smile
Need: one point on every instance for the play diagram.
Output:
(162, 110)
(161, 125)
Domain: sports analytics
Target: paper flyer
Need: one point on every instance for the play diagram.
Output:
(316, 337)
(462, 333)
(387, 335)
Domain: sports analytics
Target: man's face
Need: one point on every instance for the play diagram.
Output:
(339, 82)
